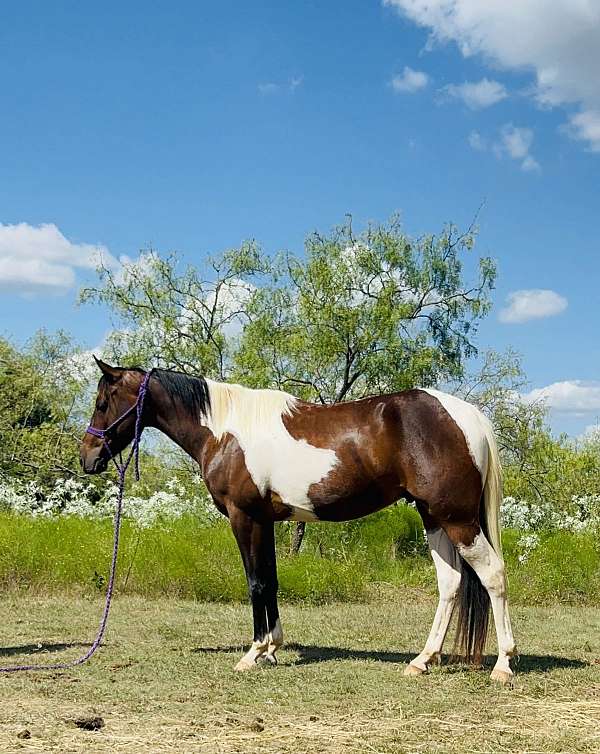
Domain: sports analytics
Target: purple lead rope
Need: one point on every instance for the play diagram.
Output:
(122, 470)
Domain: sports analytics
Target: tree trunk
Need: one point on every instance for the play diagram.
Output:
(297, 537)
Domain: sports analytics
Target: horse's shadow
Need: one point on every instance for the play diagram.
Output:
(313, 653)
(309, 654)
(26, 649)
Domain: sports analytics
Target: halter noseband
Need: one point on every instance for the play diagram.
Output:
(137, 407)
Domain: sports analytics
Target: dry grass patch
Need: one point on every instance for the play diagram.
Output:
(165, 682)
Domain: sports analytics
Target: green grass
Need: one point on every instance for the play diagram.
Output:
(188, 559)
(564, 568)
(164, 681)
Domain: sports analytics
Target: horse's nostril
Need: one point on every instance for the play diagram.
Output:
(99, 465)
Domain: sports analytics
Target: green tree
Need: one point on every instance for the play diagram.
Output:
(42, 390)
(185, 320)
(364, 314)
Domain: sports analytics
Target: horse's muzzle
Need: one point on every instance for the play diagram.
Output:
(93, 461)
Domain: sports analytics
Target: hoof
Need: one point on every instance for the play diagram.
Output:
(413, 670)
(270, 659)
(501, 676)
(244, 665)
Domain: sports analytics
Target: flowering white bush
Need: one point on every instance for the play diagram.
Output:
(583, 515)
(533, 518)
(71, 497)
(527, 544)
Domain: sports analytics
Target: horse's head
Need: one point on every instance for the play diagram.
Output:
(114, 414)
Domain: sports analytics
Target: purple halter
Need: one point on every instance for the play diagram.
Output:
(135, 450)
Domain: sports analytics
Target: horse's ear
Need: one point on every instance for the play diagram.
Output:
(112, 373)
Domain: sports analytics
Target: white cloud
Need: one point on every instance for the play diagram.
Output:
(40, 258)
(295, 82)
(477, 94)
(591, 432)
(477, 141)
(144, 265)
(269, 87)
(569, 396)
(515, 143)
(557, 41)
(234, 296)
(530, 164)
(272, 87)
(532, 304)
(585, 126)
(409, 80)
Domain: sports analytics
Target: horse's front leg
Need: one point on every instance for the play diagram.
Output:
(256, 540)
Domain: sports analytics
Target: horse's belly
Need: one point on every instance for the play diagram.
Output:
(349, 509)
(345, 505)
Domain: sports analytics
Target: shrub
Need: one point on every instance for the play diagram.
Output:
(563, 567)
(173, 545)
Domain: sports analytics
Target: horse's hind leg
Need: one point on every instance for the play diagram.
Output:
(448, 568)
(483, 559)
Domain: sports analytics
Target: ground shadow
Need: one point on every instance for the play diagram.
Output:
(311, 653)
(542, 663)
(25, 649)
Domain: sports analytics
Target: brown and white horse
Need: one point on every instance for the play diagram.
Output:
(266, 456)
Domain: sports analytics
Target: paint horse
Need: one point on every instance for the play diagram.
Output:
(266, 456)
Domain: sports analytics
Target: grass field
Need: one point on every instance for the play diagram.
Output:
(338, 563)
(164, 681)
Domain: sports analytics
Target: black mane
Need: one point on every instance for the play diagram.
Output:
(191, 391)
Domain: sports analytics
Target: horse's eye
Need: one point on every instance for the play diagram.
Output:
(102, 405)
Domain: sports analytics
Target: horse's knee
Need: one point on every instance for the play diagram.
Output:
(262, 589)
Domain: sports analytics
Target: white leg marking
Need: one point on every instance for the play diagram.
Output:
(275, 641)
(269, 645)
(257, 649)
(490, 569)
(448, 569)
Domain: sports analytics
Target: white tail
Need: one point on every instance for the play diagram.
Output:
(492, 492)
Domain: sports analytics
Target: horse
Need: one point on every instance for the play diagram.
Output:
(266, 456)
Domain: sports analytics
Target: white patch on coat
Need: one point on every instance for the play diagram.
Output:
(483, 448)
(275, 460)
(471, 423)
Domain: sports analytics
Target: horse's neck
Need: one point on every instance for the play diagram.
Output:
(178, 425)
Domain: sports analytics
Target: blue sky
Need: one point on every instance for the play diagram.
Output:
(192, 126)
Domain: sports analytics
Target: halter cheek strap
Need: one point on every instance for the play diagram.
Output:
(135, 450)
